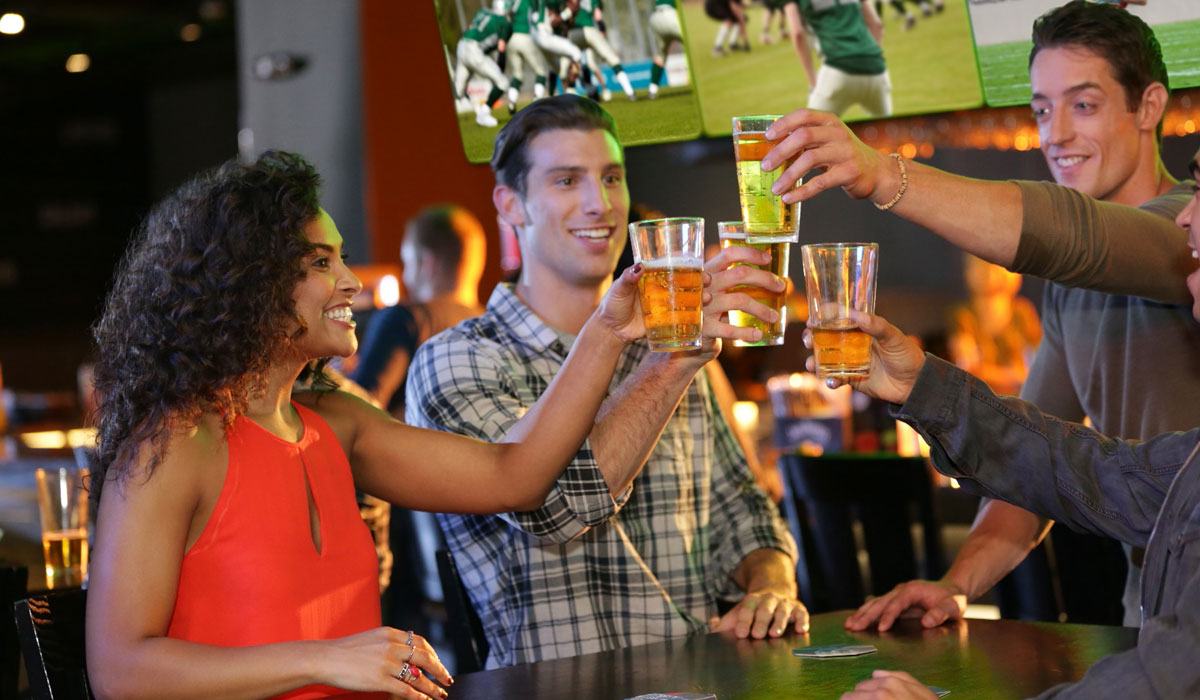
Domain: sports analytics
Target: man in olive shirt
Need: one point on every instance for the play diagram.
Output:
(1034, 228)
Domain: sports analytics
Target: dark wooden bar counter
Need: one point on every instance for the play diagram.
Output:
(978, 659)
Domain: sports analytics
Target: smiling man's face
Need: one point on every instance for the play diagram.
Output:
(1090, 137)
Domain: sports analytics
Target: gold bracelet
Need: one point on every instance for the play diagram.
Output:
(903, 184)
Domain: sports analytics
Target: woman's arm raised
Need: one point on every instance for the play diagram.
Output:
(449, 473)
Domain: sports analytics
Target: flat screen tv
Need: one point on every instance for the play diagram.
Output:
(923, 45)
(611, 50)
(1002, 31)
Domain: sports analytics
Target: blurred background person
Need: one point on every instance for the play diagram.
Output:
(995, 334)
(443, 253)
(731, 35)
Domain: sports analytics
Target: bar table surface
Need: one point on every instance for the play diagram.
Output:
(978, 659)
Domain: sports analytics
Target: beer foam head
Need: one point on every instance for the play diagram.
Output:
(673, 262)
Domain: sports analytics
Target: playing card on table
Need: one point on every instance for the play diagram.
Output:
(940, 692)
(675, 696)
(832, 650)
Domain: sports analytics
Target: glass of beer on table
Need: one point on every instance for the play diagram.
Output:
(733, 233)
(672, 253)
(63, 505)
(840, 278)
(765, 214)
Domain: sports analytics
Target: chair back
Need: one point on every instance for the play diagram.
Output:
(12, 589)
(50, 628)
(884, 496)
(465, 627)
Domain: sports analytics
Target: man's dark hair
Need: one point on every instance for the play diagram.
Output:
(1117, 36)
(441, 230)
(510, 160)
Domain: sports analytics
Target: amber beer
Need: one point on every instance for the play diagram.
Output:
(671, 303)
(842, 351)
(840, 279)
(671, 252)
(762, 211)
(66, 553)
(773, 333)
(63, 509)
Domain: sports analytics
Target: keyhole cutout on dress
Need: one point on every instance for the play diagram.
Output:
(314, 517)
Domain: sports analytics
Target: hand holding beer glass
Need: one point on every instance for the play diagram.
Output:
(63, 505)
(733, 233)
(840, 278)
(671, 252)
(764, 213)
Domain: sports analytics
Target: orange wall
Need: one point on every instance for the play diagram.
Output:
(413, 150)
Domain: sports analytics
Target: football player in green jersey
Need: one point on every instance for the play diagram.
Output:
(587, 36)
(489, 29)
(522, 52)
(664, 22)
(852, 71)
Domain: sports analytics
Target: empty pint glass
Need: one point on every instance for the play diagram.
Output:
(63, 506)
(840, 278)
(764, 213)
(671, 252)
(733, 233)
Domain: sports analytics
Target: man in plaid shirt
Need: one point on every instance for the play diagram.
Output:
(657, 518)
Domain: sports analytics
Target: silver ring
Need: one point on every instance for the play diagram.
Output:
(405, 673)
(411, 650)
(408, 642)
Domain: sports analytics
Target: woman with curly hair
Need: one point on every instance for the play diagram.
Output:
(230, 559)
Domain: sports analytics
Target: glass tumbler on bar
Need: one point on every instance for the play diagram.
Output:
(840, 278)
(733, 233)
(63, 506)
(764, 213)
(672, 253)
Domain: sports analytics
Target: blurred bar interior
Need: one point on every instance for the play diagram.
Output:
(109, 105)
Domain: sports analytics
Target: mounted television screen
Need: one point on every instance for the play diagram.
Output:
(1002, 34)
(628, 54)
(924, 63)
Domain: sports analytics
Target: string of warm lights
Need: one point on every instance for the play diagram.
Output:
(999, 128)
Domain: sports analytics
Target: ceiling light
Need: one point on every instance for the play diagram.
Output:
(189, 32)
(11, 23)
(78, 63)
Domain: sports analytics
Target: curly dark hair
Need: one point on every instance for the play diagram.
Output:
(201, 304)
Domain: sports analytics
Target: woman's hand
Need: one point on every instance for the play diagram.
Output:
(621, 309)
(374, 660)
(811, 140)
(896, 360)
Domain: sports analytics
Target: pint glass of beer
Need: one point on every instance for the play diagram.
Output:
(840, 278)
(672, 253)
(764, 213)
(734, 233)
(63, 506)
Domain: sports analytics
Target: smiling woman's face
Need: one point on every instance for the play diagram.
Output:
(323, 297)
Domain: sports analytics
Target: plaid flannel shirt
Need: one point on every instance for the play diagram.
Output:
(587, 572)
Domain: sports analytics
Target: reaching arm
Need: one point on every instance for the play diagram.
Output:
(1004, 447)
(458, 474)
(1034, 228)
(1001, 537)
